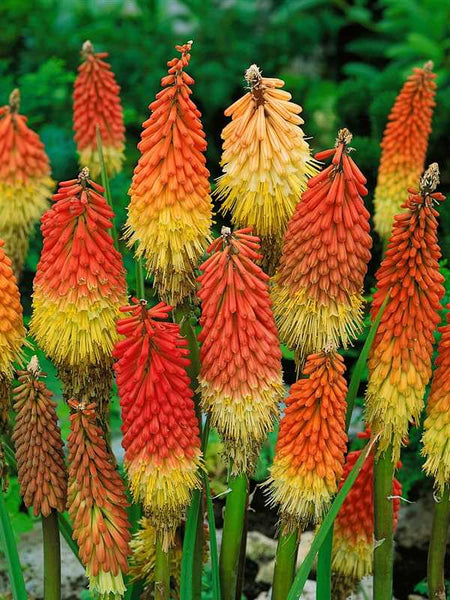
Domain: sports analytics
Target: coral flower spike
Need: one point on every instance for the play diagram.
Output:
(240, 377)
(96, 104)
(39, 447)
(309, 455)
(436, 445)
(12, 332)
(160, 428)
(353, 537)
(169, 215)
(78, 290)
(266, 162)
(25, 183)
(404, 146)
(318, 285)
(97, 504)
(400, 358)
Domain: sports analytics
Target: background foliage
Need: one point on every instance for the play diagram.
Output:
(344, 61)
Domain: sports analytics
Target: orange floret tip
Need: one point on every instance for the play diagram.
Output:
(240, 378)
(318, 285)
(266, 162)
(437, 424)
(309, 455)
(39, 447)
(25, 182)
(169, 215)
(160, 428)
(353, 538)
(97, 504)
(96, 105)
(12, 331)
(400, 357)
(404, 146)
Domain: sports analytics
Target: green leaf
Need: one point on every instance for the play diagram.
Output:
(12, 556)
(322, 533)
(212, 540)
(190, 532)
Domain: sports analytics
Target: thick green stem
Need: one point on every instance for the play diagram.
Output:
(105, 183)
(233, 529)
(52, 557)
(324, 568)
(383, 556)
(438, 546)
(162, 573)
(285, 562)
(140, 279)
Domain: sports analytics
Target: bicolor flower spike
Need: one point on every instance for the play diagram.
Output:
(78, 289)
(25, 182)
(319, 282)
(12, 332)
(97, 504)
(404, 146)
(266, 162)
(39, 447)
(169, 215)
(96, 104)
(437, 424)
(353, 537)
(160, 428)
(309, 455)
(240, 378)
(400, 357)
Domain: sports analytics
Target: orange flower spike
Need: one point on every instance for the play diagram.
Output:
(240, 378)
(96, 103)
(160, 428)
(12, 332)
(25, 182)
(437, 424)
(78, 289)
(404, 146)
(39, 447)
(353, 535)
(266, 162)
(309, 455)
(400, 358)
(169, 215)
(97, 504)
(318, 285)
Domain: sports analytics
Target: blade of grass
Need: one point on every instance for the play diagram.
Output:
(324, 567)
(320, 537)
(12, 556)
(361, 363)
(212, 541)
(105, 184)
(187, 560)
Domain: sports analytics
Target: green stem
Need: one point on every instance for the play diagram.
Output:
(438, 545)
(285, 562)
(162, 573)
(52, 557)
(140, 279)
(233, 528)
(105, 183)
(242, 555)
(383, 555)
(324, 568)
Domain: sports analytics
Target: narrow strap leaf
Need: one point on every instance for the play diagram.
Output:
(11, 554)
(212, 541)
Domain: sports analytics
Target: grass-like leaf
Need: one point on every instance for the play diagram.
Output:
(212, 541)
(105, 184)
(190, 533)
(12, 556)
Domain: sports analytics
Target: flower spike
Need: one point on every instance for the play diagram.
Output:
(404, 146)
(400, 358)
(25, 182)
(240, 378)
(39, 447)
(318, 285)
(97, 504)
(96, 104)
(160, 428)
(309, 455)
(78, 290)
(266, 162)
(169, 216)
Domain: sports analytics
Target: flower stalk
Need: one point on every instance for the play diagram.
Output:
(285, 563)
(162, 572)
(438, 547)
